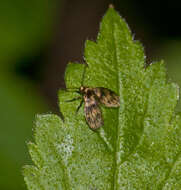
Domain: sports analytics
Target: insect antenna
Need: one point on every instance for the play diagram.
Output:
(83, 75)
(77, 90)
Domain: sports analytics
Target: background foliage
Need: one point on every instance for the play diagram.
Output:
(21, 36)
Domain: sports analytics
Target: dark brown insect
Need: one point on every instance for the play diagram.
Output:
(92, 98)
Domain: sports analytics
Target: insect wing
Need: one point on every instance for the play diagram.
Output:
(107, 97)
(93, 113)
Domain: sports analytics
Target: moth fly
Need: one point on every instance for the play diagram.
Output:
(92, 97)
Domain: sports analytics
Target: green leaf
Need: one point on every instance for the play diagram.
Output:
(139, 145)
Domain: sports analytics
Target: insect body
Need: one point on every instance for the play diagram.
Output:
(92, 98)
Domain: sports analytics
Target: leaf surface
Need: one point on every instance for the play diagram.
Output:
(137, 148)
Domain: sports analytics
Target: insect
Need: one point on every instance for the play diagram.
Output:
(92, 98)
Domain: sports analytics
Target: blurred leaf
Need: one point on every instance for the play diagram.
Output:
(169, 50)
(25, 28)
(139, 145)
(19, 104)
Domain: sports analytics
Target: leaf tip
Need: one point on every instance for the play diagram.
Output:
(111, 6)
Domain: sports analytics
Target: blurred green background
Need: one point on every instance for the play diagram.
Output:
(38, 38)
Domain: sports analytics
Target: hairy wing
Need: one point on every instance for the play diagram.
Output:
(107, 97)
(93, 113)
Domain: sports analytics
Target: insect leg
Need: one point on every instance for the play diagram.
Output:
(79, 106)
(77, 98)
